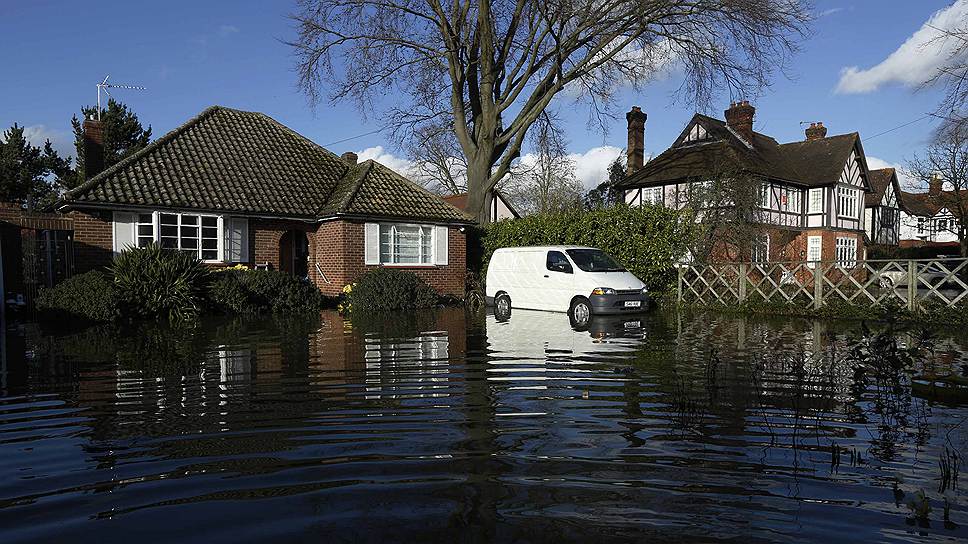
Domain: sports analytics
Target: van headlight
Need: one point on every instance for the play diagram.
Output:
(645, 290)
(603, 291)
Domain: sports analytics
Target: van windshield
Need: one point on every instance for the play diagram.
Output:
(594, 260)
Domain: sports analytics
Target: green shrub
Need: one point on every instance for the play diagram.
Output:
(154, 282)
(387, 289)
(90, 297)
(647, 240)
(239, 291)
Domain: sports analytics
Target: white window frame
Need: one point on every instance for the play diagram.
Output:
(134, 222)
(815, 199)
(814, 250)
(425, 259)
(846, 251)
(652, 195)
(847, 200)
(760, 251)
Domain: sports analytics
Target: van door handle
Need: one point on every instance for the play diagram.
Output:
(546, 275)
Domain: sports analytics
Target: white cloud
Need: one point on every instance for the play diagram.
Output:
(591, 167)
(62, 142)
(916, 61)
(903, 178)
(828, 12)
(227, 30)
(391, 161)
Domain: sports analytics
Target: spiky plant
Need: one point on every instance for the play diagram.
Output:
(153, 282)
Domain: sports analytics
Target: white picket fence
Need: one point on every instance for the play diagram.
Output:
(815, 284)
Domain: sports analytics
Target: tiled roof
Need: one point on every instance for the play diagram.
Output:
(928, 205)
(809, 163)
(880, 180)
(227, 160)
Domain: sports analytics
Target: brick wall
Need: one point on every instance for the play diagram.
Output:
(93, 240)
(336, 246)
(339, 254)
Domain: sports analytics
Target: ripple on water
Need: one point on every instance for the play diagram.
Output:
(444, 424)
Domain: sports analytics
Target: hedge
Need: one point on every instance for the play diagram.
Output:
(647, 240)
(87, 297)
(388, 289)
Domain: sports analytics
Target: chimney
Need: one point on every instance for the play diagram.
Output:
(349, 158)
(636, 147)
(739, 117)
(93, 147)
(934, 185)
(816, 131)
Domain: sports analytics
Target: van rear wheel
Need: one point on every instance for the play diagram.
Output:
(580, 312)
(502, 307)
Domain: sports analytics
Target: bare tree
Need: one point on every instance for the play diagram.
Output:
(438, 161)
(952, 76)
(729, 208)
(547, 184)
(946, 162)
(487, 70)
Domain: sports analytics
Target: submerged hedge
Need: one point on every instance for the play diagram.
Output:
(647, 240)
(152, 283)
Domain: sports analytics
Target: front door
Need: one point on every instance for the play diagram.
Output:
(294, 253)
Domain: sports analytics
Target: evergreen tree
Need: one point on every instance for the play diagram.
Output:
(123, 136)
(605, 194)
(27, 172)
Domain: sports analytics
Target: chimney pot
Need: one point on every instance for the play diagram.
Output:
(636, 144)
(739, 117)
(350, 158)
(93, 147)
(816, 131)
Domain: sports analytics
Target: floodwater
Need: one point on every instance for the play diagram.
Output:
(450, 426)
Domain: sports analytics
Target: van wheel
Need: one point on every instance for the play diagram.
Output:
(580, 312)
(502, 307)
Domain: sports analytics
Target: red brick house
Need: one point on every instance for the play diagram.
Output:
(239, 187)
(811, 192)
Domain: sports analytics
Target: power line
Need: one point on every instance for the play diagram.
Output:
(353, 137)
(867, 138)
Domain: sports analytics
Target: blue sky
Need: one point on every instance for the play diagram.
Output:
(194, 54)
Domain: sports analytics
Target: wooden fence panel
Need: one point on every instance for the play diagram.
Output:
(815, 284)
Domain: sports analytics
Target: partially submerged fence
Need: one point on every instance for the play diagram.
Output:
(815, 284)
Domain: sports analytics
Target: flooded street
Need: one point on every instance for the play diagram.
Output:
(447, 426)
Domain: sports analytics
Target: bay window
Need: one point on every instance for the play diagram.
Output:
(847, 200)
(405, 244)
(211, 238)
(846, 251)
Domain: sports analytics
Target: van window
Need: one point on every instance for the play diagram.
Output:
(594, 260)
(557, 262)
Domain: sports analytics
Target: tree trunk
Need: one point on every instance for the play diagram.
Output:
(478, 189)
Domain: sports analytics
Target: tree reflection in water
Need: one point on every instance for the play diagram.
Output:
(436, 425)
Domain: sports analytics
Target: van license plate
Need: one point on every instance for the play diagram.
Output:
(633, 303)
(633, 324)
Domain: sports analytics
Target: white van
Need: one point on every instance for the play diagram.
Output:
(579, 280)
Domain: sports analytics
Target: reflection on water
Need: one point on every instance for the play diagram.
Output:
(444, 425)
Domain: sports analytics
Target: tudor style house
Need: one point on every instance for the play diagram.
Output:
(931, 218)
(235, 187)
(500, 207)
(811, 191)
(883, 208)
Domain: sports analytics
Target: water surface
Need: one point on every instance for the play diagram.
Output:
(448, 425)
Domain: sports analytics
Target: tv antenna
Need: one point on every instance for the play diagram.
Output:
(104, 86)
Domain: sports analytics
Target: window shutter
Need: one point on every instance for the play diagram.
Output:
(440, 245)
(371, 243)
(123, 231)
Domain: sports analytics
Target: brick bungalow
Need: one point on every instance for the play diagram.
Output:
(811, 192)
(239, 187)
